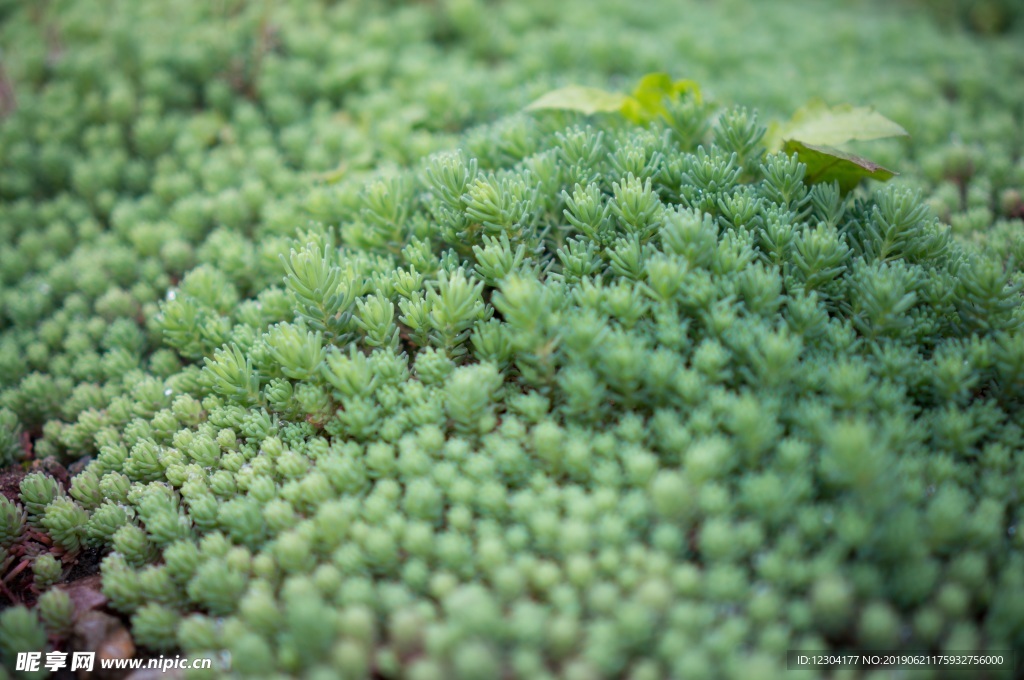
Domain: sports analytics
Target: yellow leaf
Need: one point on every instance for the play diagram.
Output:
(820, 124)
(586, 100)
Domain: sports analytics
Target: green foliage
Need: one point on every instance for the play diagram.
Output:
(65, 521)
(21, 631)
(37, 492)
(56, 611)
(630, 395)
(46, 571)
(812, 134)
(716, 351)
(10, 437)
(987, 17)
(12, 522)
(155, 626)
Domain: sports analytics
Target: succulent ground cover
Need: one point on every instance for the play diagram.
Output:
(329, 356)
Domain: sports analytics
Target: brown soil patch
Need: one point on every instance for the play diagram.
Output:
(10, 482)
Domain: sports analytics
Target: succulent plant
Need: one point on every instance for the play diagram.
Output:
(374, 371)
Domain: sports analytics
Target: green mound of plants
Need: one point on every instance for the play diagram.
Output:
(344, 368)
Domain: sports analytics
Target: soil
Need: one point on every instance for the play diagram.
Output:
(10, 482)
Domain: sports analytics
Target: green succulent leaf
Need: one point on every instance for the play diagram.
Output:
(827, 164)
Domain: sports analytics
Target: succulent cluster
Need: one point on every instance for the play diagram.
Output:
(580, 398)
